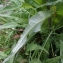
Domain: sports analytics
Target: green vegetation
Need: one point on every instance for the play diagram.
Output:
(31, 31)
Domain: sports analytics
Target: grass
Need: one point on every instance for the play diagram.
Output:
(31, 33)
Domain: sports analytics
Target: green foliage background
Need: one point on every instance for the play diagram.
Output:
(31, 31)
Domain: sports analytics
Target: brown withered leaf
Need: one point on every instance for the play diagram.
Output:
(2, 49)
(16, 36)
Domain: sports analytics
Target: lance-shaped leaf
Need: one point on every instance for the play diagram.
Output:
(34, 25)
(61, 49)
(35, 61)
(9, 16)
(51, 3)
(9, 25)
(11, 5)
(32, 47)
(53, 60)
(32, 3)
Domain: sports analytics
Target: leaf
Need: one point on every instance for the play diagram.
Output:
(61, 49)
(8, 16)
(52, 0)
(26, 5)
(46, 47)
(51, 3)
(60, 9)
(10, 60)
(39, 1)
(11, 57)
(17, 2)
(9, 36)
(32, 46)
(16, 36)
(2, 55)
(8, 8)
(53, 60)
(32, 3)
(35, 61)
(12, 5)
(34, 22)
(8, 25)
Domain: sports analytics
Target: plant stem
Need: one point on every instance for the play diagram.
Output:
(49, 19)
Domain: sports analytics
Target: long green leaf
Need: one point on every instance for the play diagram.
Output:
(34, 25)
(51, 3)
(61, 49)
(32, 46)
(2, 55)
(32, 3)
(35, 61)
(12, 5)
(8, 25)
(53, 60)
